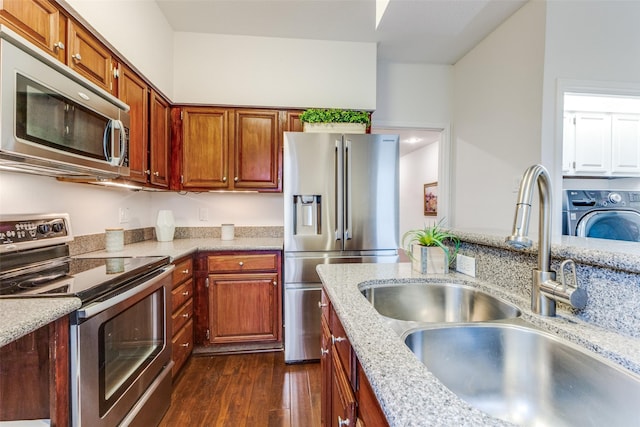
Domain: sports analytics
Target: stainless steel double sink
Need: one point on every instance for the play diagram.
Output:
(480, 349)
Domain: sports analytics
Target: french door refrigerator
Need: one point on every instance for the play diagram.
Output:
(340, 206)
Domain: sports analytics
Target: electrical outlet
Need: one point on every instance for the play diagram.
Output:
(123, 215)
(466, 265)
(203, 214)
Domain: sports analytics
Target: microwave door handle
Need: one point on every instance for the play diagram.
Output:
(105, 141)
(123, 143)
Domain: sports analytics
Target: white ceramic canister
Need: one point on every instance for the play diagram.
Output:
(165, 226)
(227, 232)
(114, 239)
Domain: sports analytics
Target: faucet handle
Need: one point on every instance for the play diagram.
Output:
(572, 272)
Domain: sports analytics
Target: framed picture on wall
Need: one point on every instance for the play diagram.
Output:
(431, 199)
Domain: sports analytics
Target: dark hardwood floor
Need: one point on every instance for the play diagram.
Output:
(256, 389)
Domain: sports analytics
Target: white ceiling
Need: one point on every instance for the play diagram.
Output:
(413, 31)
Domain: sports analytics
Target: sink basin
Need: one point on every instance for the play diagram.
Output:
(438, 302)
(528, 377)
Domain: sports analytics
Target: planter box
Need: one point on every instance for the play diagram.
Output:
(429, 259)
(335, 127)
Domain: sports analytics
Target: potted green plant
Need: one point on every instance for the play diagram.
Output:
(431, 249)
(335, 120)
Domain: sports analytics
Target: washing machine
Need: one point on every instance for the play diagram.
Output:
(603, 214)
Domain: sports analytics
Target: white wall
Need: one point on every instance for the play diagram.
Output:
(497, 116)
(243, 70)
(139, 31)
(416, 169)
(593, 43)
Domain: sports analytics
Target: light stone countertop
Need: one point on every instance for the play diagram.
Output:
(21, 316)
(408, 393)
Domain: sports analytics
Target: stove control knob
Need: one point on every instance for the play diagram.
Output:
(44, 228)
(57, 227)
(615, 198)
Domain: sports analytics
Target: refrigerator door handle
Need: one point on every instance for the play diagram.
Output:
(339, 190)
(348, 226)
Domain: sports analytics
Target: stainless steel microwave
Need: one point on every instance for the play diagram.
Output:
(54, 121)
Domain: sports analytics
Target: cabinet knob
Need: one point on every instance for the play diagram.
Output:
(58, 45)
(185, 345)
(77, 57)
(185, 271)
(156, 173)
(185, 294)
(324, 352)
(321, 305)
(224, 179)
(235, 179)
(275, 283)
(342, 422)
(241, 263)
(335, 339)
(147, 172)
(185, 315)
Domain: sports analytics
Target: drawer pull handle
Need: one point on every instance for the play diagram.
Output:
(77, 57)
(321, 305)
(335, 339)
(185, 315)
(185, 271)
(185, 294)
(324, 352)
(185, 345)
(241, 263)
(342, 422)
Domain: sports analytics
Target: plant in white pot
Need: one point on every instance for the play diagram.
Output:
(335, 120)
(427, 247)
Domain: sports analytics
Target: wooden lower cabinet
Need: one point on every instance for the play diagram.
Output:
(239, 300)
(35, 375)
(347, 396)
(182, 313)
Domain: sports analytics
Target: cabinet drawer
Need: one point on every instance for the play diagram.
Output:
(183, 271)
(181, 294)
(182, 345)
(342, 347)
(242, 263)
(182, 315)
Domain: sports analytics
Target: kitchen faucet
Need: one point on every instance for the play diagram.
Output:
(545, 290)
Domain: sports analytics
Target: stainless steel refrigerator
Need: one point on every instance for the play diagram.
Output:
(340, 206)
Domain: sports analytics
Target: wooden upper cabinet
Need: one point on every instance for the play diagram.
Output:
(134, 91)
(39, 21)
(292, 121)
(205, 148)
(257, 149)
(89, 57)
(160, 140)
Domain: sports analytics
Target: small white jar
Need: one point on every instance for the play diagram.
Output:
(114, 239)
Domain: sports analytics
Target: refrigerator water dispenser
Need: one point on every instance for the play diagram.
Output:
(306, 220)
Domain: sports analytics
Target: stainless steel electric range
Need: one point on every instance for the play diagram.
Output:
(120, 343)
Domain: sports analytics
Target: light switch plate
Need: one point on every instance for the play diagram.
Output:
(466, 265)
(123, 215)
(203, 214)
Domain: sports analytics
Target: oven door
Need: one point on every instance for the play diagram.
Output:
(121, 357)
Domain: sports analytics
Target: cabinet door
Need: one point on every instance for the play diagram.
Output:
(39, 21)
(159, 140)
(326, 372)
(568, 143)
(257, 152)
(292, 122)
(343, 401)
(134, 91)
(593, 143)
(205, 148)
(625, 144)
(243, 308)
(89, 57)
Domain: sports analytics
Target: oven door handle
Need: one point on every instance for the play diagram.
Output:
(98, 307)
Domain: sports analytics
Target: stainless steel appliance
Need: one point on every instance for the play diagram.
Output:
(120, 342)
(54, 121)
(603, 214)
(340, 206)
